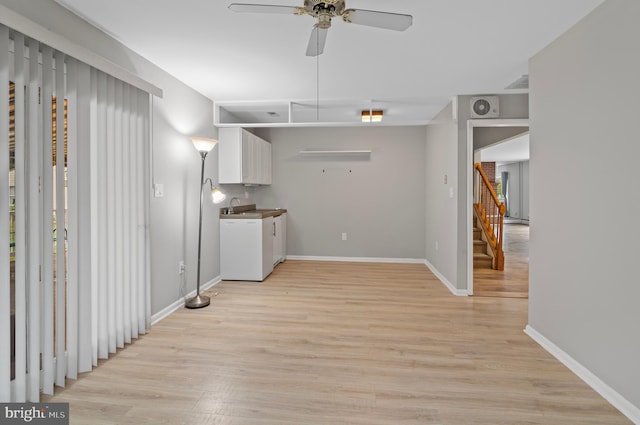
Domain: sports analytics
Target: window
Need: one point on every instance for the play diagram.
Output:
(74, 233)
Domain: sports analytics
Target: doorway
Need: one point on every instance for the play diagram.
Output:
(513, 281)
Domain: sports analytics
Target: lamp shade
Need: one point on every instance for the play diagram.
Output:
(203, 144)
(217, 196)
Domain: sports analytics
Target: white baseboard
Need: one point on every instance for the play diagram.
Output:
(455, 291)
(356, 259)
(516, 221)
(180, 303)
(445, 282)
(616, 399)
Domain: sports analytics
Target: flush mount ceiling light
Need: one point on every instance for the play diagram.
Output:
(372, 116)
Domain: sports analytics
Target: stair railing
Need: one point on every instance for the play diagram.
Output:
(490, 213)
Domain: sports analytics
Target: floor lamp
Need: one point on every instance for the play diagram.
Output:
(204, 146)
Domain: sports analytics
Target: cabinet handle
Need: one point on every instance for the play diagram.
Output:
(274, 228)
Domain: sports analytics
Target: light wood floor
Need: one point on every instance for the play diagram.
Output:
(338, 343)
(513, 282)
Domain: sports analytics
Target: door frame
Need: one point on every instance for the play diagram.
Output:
(471, 124)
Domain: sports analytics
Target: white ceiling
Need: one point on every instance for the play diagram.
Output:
(515, 149)
(252, 64)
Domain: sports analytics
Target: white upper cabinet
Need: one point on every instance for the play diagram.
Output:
(243, 158)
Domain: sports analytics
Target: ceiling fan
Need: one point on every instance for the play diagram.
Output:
(324, 11)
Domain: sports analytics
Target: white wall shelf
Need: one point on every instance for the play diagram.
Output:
(336, 153)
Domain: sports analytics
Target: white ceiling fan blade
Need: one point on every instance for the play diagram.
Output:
(316, 41)
(372, 18)
(263, 8)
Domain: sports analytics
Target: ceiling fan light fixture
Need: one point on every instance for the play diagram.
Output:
(372, 115)
(324, 20)
(324, 11)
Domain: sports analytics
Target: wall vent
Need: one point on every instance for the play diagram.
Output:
(485, 107)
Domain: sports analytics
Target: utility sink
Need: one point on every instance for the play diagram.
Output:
(250, 211)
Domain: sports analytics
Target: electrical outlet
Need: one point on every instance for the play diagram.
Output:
(181, 267)
(344, 236)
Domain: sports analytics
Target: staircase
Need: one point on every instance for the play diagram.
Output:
(487, 223)
(481, 257)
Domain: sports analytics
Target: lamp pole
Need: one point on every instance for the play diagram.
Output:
(199, 301)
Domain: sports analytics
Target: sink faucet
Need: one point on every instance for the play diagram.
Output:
(230, 209)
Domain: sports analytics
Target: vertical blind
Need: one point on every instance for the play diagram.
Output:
(74, 280)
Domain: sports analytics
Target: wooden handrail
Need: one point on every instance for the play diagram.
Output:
(487, 183)
(490, 212)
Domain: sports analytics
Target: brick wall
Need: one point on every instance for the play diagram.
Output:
(489, 169)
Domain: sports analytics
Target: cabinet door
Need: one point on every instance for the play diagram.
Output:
(267, 246)
(241, 253)
(248, 167)
(266, 162)
(283, 233)
(258, 163)
(277, 240)
(230, 152)
(243, 157)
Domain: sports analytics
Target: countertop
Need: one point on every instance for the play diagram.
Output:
(250, 211)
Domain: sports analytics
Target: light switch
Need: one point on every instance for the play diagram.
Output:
(158, 190)
(450, 192)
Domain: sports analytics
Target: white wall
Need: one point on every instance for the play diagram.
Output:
(525, 192)
(584, 290)
(441, 217)
(378, 200)
(180, 114)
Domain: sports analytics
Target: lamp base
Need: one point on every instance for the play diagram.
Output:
(198, 301)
